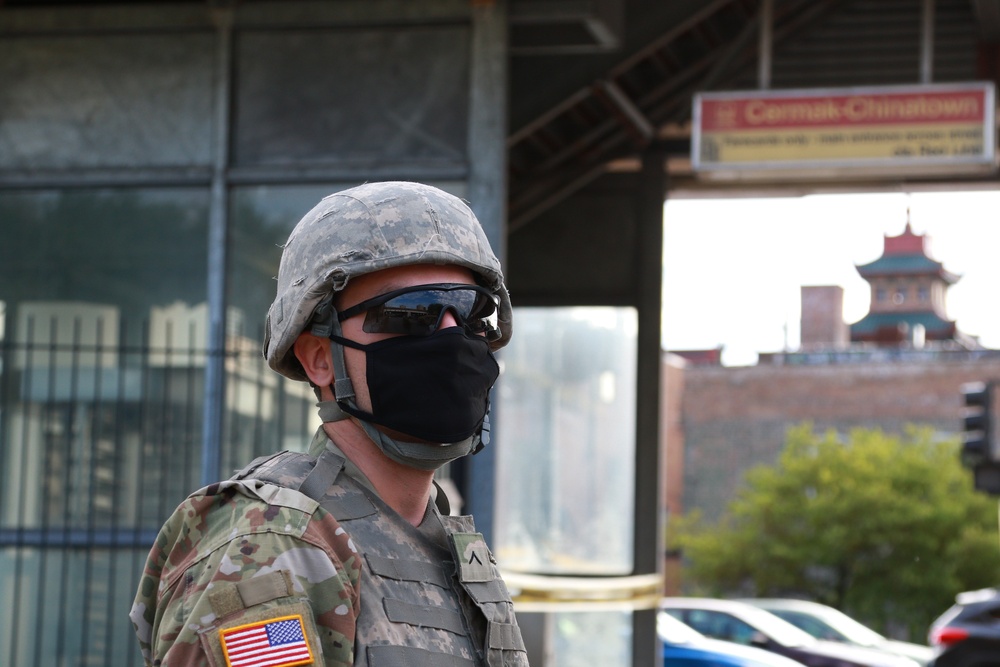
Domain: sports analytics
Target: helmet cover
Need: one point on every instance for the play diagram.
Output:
(366, 229)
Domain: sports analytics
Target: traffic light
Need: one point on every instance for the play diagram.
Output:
(981, 440)
(986, 478)
(977, 426)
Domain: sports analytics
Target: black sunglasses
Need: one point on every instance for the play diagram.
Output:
(417, 310)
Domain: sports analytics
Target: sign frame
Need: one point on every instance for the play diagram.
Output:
(808, 128)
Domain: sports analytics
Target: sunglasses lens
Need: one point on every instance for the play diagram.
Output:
(419, 312)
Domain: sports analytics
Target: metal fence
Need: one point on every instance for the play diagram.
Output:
(99, 441)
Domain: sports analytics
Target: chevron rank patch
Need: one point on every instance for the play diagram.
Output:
(274, 642)
(473, 557)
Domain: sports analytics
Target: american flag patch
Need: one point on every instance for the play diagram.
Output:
(276, 642)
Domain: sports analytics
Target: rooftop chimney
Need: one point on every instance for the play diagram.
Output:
(823, 323)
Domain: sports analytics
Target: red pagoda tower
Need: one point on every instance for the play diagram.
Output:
(908, 291)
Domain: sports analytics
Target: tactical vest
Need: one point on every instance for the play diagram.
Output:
(431, 596)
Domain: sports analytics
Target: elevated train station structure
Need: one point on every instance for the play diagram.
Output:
(154, 154)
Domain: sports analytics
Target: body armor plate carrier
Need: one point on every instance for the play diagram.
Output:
(431, 596)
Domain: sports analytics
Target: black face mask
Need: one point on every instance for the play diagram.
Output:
(434, 388)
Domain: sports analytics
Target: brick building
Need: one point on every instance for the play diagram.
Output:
(903, 363)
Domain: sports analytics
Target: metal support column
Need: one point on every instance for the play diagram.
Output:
(488, 198)
(765, 45)
(648, 517)
(927, 42)
(215, 370)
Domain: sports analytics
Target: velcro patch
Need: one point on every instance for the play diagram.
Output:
(274, 642)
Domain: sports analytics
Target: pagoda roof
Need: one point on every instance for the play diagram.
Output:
(905, 255)
(934, 325)
(908, 265)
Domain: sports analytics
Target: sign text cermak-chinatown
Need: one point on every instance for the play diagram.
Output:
(892, 127)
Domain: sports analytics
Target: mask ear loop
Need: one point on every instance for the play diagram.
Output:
(325, 324)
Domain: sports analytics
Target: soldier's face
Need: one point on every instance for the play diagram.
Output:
(371, 285)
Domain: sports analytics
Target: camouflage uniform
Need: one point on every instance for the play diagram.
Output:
(238, 552)
(297, 554)
(431, 595)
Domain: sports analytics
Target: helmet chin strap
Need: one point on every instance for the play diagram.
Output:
(324, 324)
(422, 456)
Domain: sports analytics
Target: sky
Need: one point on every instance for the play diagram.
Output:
(733, 268)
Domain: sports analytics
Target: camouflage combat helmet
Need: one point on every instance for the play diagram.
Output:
(365, 229)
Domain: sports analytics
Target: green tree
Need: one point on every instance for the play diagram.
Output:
(880, 526)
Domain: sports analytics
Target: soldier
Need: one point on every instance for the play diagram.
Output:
(390, 302)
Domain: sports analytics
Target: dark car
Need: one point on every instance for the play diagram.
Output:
(968, 634)
(743, 623)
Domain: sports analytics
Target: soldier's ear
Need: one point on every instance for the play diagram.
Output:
(313, 352)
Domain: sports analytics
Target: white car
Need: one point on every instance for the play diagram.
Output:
(742, 623)
(825, 622)
(686, 646)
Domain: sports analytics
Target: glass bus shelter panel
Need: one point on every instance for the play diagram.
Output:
(361, 96)
(566, 441)
(587, 638)
(106, 101)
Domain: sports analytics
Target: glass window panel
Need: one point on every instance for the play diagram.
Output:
(106, 101)
(129, 248)
(261, 218)
(566, 441)
(363, 95)
(267, 413)
(72, 606)
(102, 397)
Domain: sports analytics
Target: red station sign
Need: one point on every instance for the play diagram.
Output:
(935, 128)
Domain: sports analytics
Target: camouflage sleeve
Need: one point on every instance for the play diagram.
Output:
(248, 557)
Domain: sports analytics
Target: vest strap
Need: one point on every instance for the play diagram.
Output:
(505, 637)
(423, 616)
(407, 570)
(321, 477)
(488, 591)
(249, 468)
(407, 656)
(318, 481)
